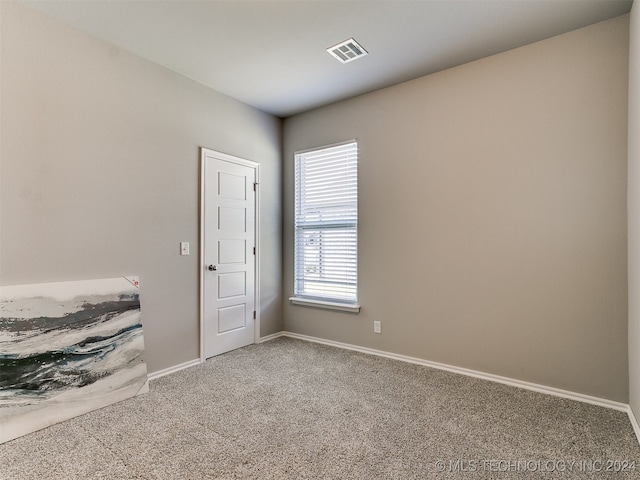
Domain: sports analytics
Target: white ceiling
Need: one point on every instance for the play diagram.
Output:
(272, 54)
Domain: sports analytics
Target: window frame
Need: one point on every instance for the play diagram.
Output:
(304, 298)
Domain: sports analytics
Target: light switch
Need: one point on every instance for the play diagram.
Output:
(184, 248)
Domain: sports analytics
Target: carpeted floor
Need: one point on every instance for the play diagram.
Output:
(289, 409)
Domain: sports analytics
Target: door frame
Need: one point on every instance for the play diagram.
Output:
(204, 152)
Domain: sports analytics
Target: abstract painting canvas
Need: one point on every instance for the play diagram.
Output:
(66, 349)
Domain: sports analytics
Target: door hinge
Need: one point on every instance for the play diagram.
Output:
(254, 314)
(255, 184)
(254, 250)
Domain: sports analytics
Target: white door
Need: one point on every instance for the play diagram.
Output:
(228, 253)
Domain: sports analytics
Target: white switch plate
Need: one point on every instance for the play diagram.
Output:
(377, 326)
(184, 248)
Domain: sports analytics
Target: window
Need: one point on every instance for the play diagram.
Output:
(326, 227)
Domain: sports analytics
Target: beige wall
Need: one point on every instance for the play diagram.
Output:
(492, 214)
(634, 210)
(492, 204)
(100, 174)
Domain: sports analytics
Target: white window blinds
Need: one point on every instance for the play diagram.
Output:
(326, 224)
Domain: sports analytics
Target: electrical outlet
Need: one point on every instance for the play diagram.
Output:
(377, 326)
(184, 248)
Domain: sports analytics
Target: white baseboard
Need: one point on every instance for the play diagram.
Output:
(273, 336)
(175, 368)
(634, 422)
(602, 402)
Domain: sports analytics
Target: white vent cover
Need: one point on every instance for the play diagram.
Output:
(347, 51)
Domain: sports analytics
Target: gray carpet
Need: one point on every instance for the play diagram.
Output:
(289, 409)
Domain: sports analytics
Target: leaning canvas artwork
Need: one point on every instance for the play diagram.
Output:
(66, 349)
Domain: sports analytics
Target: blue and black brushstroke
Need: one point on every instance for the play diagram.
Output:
(41, 373)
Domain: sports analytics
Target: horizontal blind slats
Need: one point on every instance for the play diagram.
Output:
(326, 219)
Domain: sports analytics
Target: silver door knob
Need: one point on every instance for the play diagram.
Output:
(212, 268)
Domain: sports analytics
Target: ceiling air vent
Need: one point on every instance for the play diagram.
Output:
(347, 51)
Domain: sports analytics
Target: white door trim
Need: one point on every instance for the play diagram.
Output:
(256, 167)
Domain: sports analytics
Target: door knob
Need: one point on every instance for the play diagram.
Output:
(212, 268)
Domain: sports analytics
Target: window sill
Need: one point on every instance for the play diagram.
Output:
(343, 307)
